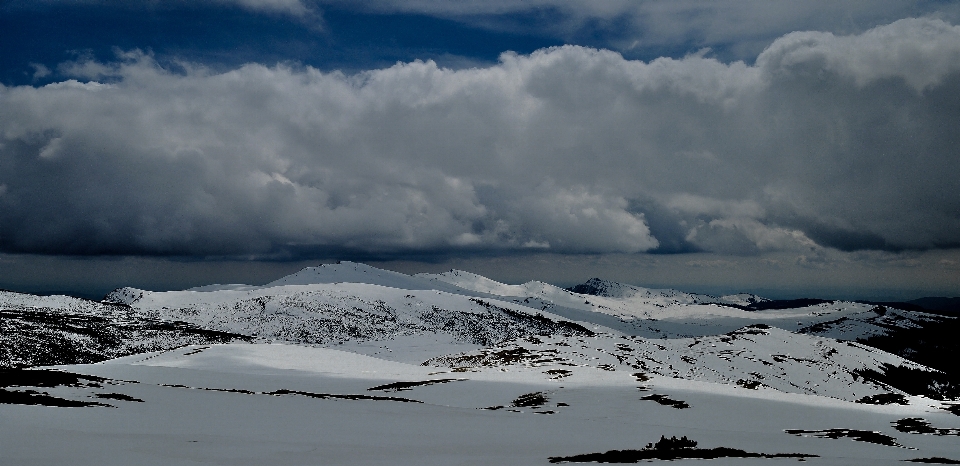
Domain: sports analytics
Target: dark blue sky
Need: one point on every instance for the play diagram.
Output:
(228, 36)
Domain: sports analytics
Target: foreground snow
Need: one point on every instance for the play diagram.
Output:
(283, 404)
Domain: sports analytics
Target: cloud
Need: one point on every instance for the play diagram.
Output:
(40, 71)
(294, 7)
(828, 141)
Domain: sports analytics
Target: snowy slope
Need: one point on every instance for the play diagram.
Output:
(334, 313)
(751, 357)
(293, 405)
(356, 365)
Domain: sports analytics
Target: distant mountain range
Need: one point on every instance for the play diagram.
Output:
(351, 303)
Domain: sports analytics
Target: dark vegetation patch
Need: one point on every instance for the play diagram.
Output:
(756, 329)
(934, 460)
(537, 323)
(641, 377)
(46, 378)
(749, 384)
(558, 373)
(225, 390)
(868, 436)
(492, 357)
(325, 396)
(932, 342)
(340, 397)
(118, 396)
(46, 337)
(916, 425)
(529, 400)
(664, 400)
(534, 400)
(32, 397)
(402, 386)
(884, 399)
(670, 449)
(932, 384)
(196, 351)
(953, 408)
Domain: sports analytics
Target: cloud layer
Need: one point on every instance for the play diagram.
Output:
(849, 142)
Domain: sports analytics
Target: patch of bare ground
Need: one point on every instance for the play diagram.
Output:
(884, 399)
(495, 357)
(282, 392)
(558, 373)
(529, 400)
(749, 384)
(934, 460)
(868, 436)
(664, 400)
(916, 425)
(952, 407)
(33, 397)
(45, 378)
(404, 386)
(535, 401)
(340, 397)
(118, 396)
(669, 449)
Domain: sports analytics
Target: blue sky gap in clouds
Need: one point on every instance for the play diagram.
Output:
(227, 37)
(819, 138)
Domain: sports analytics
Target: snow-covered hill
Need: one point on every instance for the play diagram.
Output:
(335, 313)
(751, 357)
(388, 355)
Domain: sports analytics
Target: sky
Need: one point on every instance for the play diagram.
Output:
(784, 148)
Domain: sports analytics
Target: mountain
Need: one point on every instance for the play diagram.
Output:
(599, 364)
(664, 297)
(430, 316)
(48, 330)
(942, 304)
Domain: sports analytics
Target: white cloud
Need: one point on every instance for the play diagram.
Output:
(920, 52)
(828, 140)
(40, 71)
(294, 7)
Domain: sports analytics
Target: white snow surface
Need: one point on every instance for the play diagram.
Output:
(293, 405)
(356, 365)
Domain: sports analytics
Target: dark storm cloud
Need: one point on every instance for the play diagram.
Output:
(827, 141)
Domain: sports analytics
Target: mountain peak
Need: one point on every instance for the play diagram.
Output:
(603, 288)
(342, 271)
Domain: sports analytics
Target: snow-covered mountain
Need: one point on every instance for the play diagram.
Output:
(429, 346)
